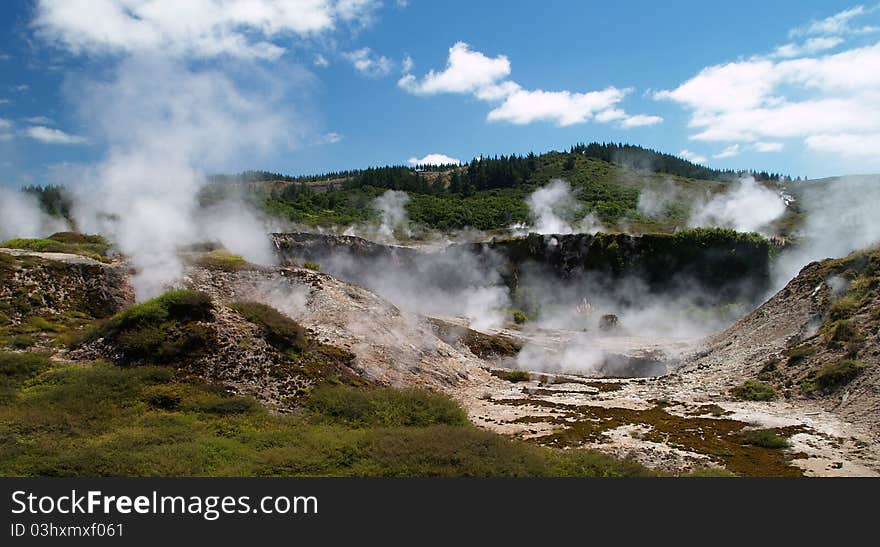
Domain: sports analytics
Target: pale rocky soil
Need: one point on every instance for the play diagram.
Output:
(828, 443)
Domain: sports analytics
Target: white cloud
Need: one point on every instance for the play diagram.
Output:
(692, 156)
(769, 146)
(472, 72)
(320, 61)
(729, 152)
(810, 47)
(5, 124)
(466, 71)
(839, 23)
(50, 135)
(368, 64)
(331, 138)
(38, 120)
(848, 145)
(640, 120)
(197, 28)
(5, 101)
(434, 159)
(761, 100)
(562, 107)
(407, 64)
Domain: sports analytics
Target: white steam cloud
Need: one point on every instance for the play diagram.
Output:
(391, 207)
(747, 207)
(21, 216)
(164, 124)
(550, 205)
(841, 217)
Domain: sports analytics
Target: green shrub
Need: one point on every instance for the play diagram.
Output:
(280, 331)
(753, 390)
(839, 332)
(385, 407)
(15, 368)
(224, 261)
(833, 375)
(844, 307)
(309, 265)
(798, 354)
(162, 330)
(520, 317)
(514, 376)
(22, 365)
(766, 438)
(22, 341)
(230, 405)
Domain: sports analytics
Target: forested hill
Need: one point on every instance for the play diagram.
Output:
(487, 193)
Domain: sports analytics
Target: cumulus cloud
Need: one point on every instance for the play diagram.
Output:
(796, 92)
(486, 78)
(247, 29)
(434, 159)
(369, 64)
(466, 71)
(320, 61)
(51, 135)
(562, 107)
(692, 156)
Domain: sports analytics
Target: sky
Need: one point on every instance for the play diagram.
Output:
(312, 86)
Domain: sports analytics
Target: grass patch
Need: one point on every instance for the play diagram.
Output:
(753, 390)
(91, 246)
(160, 330)
(519, 317)
(103, 420)
(280, 331)
(385, 407)
(833, 376)
(222, 260)
(799, 354)
(309, 265)
(514, 376)
(765, 438)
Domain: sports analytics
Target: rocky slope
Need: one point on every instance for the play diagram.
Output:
(52, 284)
(390, 346)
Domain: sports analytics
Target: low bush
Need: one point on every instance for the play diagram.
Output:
(280, 331)
(385, 407)
(309, 265)
(766, 438)
(222, 260)
(833, 376)
(514, 376)
(798, 354)
(160, 330)
(753, 390)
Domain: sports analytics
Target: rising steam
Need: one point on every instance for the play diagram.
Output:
(21, 216)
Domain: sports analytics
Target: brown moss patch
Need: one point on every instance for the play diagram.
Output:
(721, 439)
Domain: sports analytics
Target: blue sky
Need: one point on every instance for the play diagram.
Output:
(328, 85)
